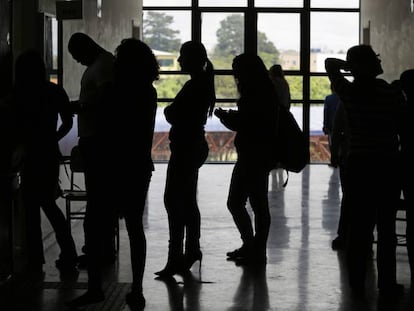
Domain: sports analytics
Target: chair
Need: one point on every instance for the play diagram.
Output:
(77, 193)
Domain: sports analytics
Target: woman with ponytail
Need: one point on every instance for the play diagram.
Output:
(187, 115)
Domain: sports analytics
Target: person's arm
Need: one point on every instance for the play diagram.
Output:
(65, 114)
(333, 68)
(230, 118)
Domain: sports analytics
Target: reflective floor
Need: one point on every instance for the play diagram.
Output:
(303, 272)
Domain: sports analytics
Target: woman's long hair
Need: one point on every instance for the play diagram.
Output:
(135, 62)
(252, 78)
(198, 54)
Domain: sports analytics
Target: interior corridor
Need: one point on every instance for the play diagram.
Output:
(303, 272)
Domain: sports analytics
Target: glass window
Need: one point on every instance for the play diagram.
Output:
(166, 3)
(218, 3)
(335, 4)
(165, 31)
(169, 85)
(295, 86)
(279, 3)
(223, 36)
(332, 41)
(319, 88)
(225, 87)
(319, 147)
(278, 39)
(54, 44)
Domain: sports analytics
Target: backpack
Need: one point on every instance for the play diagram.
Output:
(292, 147)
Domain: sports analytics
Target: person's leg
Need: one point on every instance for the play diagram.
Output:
(236, 204)
(138, 246)
(94, 227)
(258, 189)
(68, 255)
(173, 201)
(361, 222)
(340, 241)
(191, 212)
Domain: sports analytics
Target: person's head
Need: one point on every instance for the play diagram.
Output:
(276, 71)
(193, 57)
(250, 73)
(134, 60)
(83, 48)
(362, 61)
(407, 83)
(193, 60)
(30, 70)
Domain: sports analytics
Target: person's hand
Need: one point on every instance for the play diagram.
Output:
(219, 112)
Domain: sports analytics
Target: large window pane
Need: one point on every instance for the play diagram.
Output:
(278, 39)
(225, 87)
(165, 31)
(169, 85)
(319, 147)
(335, 4)
(218, 3)
(295, 86)
(335, 40)
(223, 37)
(319, 88)
(167, 2)
(279, 3)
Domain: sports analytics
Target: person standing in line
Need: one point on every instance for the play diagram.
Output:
(187, 115)
(99, 239)
(39, 105)
(132, 95)
(255, 125)
(373, 110)
(125, 146)
(282, 88)
(277, 76)
(407, 158)
(339, 150)
(330, 106)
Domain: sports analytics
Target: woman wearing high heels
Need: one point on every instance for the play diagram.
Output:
(187, 115)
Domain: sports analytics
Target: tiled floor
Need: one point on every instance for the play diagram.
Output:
(302, 273)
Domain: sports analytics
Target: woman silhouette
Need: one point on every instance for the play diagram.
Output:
(187, 115)
(129, 98)
(255, 124)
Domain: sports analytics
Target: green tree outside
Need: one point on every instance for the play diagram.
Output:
(158, 34)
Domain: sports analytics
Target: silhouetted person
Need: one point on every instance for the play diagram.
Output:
(99, 240)
(187, 115)
(281, 85)
(339, 151)
(39, 104)
(372, 107)
(255, 126)
(407, 161)
(330, 106)
(282, 88)
(132, 96)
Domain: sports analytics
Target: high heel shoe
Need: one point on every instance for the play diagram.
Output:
(173, 266)
(190, 258)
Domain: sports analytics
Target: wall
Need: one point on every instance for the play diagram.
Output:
(116, 23)
(391, 33)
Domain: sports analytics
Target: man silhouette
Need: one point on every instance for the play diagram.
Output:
(372, 108)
